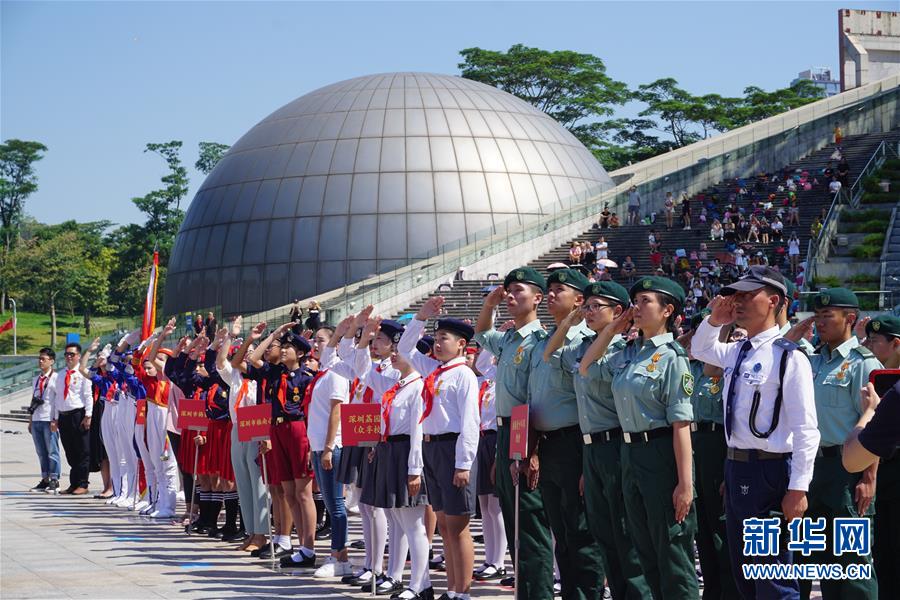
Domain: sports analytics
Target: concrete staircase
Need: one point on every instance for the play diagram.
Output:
(891, 258)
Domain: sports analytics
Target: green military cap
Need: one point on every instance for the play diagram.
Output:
(526, 275)
(609, 290)
(570, 277)
(886, 325)
(663, 285)
(835, 297)
(698, 318)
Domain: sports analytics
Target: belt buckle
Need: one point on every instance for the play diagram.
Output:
(588, 440)
(694, 426)
(714, 426)
(499, 420)
(279, 420)
(426, 437)
(627, 437)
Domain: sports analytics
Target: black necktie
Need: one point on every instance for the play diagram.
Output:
(729, 412)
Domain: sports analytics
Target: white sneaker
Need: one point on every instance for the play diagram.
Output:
(162, 514)
(112, 500)
(333, 568)
(140, 506)
(124, 502)
(148, 509)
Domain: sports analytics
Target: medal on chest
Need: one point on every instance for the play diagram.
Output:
(520, 353)
(653, 360)
(714, 385)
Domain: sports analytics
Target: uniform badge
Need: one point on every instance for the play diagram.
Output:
(745, 489)
(437, 387)
(224, 394)
(656, 357)
(296, 390)
(597, 290)
(876, 325)
(687, 383)
(520, 275)
(825, 299)
(651, 367)
(296, 398)
(562, 277)
(840, 375)
(647, 284)
(517, 359)
(714, 387)
(757, 368)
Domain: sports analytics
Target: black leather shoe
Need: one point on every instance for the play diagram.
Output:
(214, 532)
(356, 579)
(233, 535)
(288, 562)
(201, 528)
(280, 552)
(324, 533)
(489, 573)
(358, 545)
(408, 594)
(41, 486)
(508, 581)
(386, 587)
(427, 594)
(437, 563)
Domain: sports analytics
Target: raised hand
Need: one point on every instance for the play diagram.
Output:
(344, 326)
(431, 308)
(495, 297)
(721, 311)
(94, 345)
(237, 325)
(221, 333)
(170, 327)
(257, 331)
(507, 325)
(370, 330)
(622, 323)
(362, 317)
(573, 318)
(860, 328)
(801, 330)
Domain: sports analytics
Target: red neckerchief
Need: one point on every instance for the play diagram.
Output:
(161, 394)
(281, 393)
(42, 383)
(242, 393)
(308, 392)
(68, 379)
(387, 400)
(482, 392)
(111, 391)
(428, 390)
(211, 397)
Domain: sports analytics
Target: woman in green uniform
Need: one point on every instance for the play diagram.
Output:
(652, 386)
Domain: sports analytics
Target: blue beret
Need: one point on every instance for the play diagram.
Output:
(457, 326)
(392, 329)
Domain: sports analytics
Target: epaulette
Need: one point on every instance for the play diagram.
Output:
(864, 352)
(678, 348)
(785, 344)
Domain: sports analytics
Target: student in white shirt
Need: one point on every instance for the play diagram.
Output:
(72, 405)
(46, 441)
(451, 425)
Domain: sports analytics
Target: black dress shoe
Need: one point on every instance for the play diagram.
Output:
(41, 486)
(324, 533)
(358, 545)
(384, 587)
(427, 594)
(409, 594)
(214, 532)
(356, 579)
(437, 563)
(265, 552)
(489, 573)
(69, 489)
(201, 528)
(508, 581)
(233, 535)
(288, 562)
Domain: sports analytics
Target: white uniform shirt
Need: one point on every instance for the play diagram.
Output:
(42, 413)
(79, 395)
(329, 387)
(406, 407)
(235, 380)
(797, 429)
(455, 406)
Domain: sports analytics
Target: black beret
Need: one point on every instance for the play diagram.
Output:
(425, 344)
(392, 329)
(299, 342)
(457, 326)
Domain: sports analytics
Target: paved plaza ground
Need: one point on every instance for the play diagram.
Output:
(76, 547)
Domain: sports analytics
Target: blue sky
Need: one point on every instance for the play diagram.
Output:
(96, 81)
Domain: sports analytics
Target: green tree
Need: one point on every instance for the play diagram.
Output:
(571, 87)
(759, 104)
(210, 154)
(672, 106)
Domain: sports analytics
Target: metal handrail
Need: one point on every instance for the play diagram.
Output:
(884, 251)
(856, 189)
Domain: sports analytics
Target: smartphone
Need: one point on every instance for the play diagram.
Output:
(884, 380)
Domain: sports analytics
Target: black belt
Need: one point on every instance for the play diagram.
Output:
(70, 412)
(287, 419)
(549, 435)
(487, 432)
(646, 436)
(753, 454)
(440, 437)
(602, 437)
(402, 437)
(707, 426)
(829, 451)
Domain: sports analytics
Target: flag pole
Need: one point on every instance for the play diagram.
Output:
(15, 325)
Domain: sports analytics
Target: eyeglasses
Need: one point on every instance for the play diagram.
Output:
(589, 308)
(70, 354)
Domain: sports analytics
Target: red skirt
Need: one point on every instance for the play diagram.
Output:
(187, 449)
(218, 442)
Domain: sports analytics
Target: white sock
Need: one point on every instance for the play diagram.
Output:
(376, 538)
(366, 516)
(493, 529)
(284, 541)
(398, 546)
(413, 522)
(307, 552)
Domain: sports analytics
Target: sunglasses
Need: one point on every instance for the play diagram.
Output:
(69, 354)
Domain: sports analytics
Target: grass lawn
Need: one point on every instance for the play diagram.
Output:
(34, 330)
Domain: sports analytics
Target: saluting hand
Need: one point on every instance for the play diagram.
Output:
(721, 311)
(431, 308)
(170, 327)
(256, 332)
(94, 345)
(801, 330)
(362, 317)
(495, 297)
(510, 324)
(860, 328)
(343, 327)
(236, 326)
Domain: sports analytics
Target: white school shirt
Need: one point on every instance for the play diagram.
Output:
(406, 408)
(455, 407)
(235, 380)
(328, 388)
(342, 363)
(797, 429)
(484, 363)
(43, 411)
(79, 395)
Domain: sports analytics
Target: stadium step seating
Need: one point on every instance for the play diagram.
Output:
(464, 298)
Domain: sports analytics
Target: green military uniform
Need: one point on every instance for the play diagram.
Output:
(601, 458)
(839, 375)
(513, 350)
(652, 386)
(710, 448)
(553, 414)
(886, 548)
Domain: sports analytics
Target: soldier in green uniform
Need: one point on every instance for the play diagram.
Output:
(553, 417)
(840, 369)
(522, 290)
(710, 448)
(883, 339)
(652, 386)
(601, 437)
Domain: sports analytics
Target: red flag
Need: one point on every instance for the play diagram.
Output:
(7, 326)
(150, 302)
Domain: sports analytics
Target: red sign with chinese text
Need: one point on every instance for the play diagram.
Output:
(192, 415)
(140, 415)
(254, 422)
(518, 433)
(360, 424)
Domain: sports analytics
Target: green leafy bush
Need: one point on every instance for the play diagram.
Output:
(863, 278)
(871, 214)
(867, 251)
(874, 239)
(827, 282)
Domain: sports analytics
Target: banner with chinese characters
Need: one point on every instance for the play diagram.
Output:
(140, 415)
(518, 433)
(254, 422)
(192, 415)
(360, 424)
